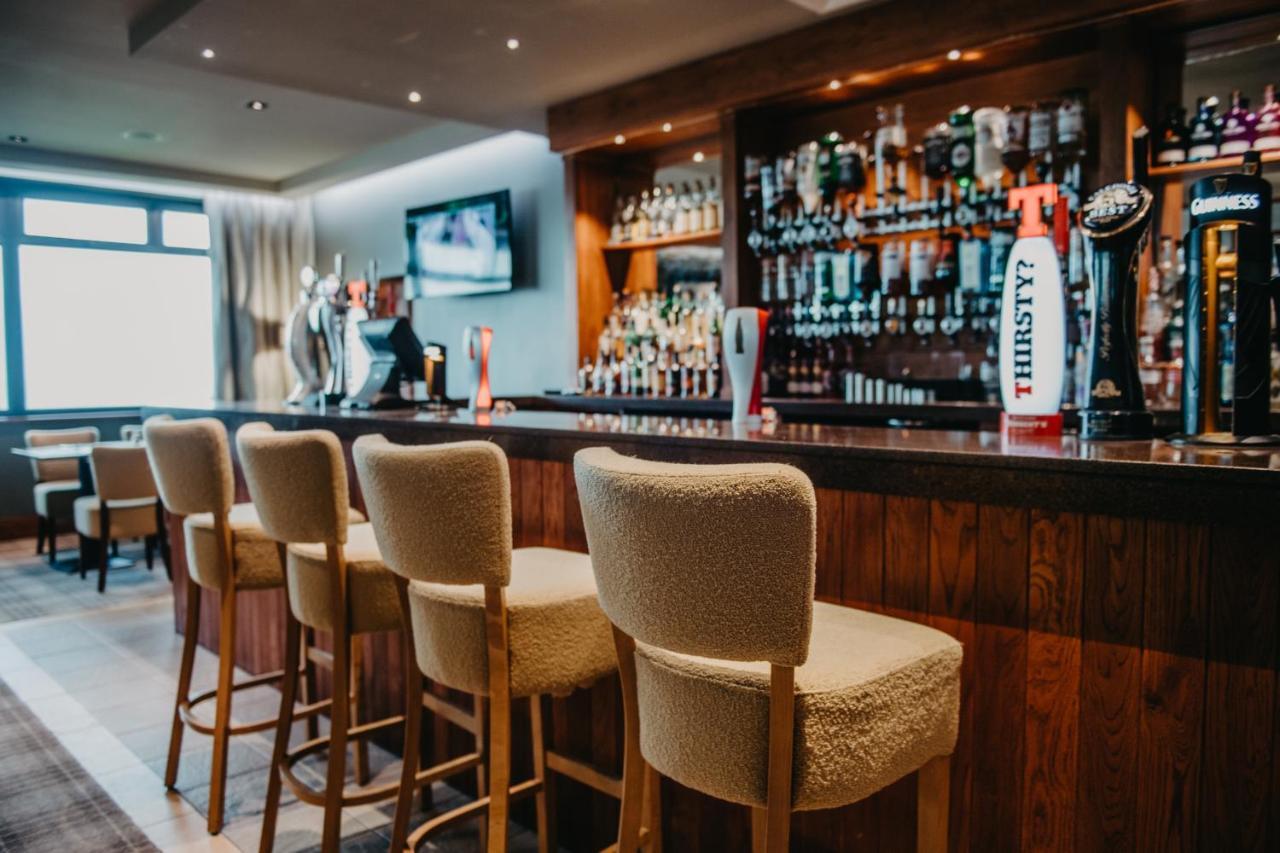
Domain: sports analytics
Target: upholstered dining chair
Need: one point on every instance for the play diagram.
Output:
(486, 619)
(57, 482)
(335, 581)
(735, 683)
(227, 553)
(124, 506)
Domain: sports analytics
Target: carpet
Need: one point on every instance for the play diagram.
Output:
(29, 588)
(47, 800)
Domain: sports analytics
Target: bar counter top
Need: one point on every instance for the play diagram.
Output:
(1066, 473)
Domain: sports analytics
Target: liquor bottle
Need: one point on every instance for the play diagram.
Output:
(1237, 127)
(1267, 130)
(712, 206)
(962, 138)
(988, 144)
(1172, 145)
(1040, 137)
(1071, 141)
(1016, 155)
(937, 152)
(1202, 140)
(617, 230)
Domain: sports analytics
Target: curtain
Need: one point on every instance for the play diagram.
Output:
(259, 245)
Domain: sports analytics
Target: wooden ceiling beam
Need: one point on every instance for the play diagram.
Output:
(866, 40)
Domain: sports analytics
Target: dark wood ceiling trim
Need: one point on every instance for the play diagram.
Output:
(870, 39)
(156, 19)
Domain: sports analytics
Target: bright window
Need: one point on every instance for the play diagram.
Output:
(115, 328)
(185, 230)
(77, 220)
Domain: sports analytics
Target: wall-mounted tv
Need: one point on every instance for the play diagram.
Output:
(460, 247)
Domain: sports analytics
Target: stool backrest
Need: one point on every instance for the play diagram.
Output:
(298, 482)
(57, 469)
(440, 512)
(122, 473)
(710, 560)
(191, 461)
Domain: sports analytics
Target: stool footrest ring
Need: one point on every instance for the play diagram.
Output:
(475, 808)
(359, 796)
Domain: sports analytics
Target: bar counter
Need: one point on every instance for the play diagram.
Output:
(1118, 604)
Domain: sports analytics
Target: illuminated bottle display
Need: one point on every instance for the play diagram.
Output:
(1171, 147)
(1266, 130)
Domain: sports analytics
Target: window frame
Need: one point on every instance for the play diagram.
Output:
(13, 237)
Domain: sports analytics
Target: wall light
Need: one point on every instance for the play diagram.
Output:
(415, 97)
(619, 140)
(953, 55)
(208, 53)
(698, 156)
(256, 105)
(666, 127)
(833, 85)
(513, 44)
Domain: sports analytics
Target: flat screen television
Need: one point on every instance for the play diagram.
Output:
(460, 247)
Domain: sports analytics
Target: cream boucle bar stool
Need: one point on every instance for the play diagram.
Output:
(227, 553)
(484, 618)
(57, 482)
(742, 687)
(336, 582)
(123, 507)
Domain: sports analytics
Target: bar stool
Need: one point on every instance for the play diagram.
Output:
(227, 553)
(57, 482)
(485, 619)
(735, 682)
(335, 582)
(124, 506)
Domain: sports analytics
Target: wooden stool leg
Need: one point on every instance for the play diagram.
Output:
(412, 726)
(162, 540)
(189, 639)
(540, 773)
(782, 710)
(361, 745)
(222, 714)
(482, 749)
(629, 815)
(933, 796)
(339, 718)
(758, 822)
(310, 692)
(653, 812)
(284, 728)
(495, 612)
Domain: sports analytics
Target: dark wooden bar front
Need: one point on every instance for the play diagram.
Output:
(1118, 606)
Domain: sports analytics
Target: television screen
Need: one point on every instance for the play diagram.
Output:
(459, 247)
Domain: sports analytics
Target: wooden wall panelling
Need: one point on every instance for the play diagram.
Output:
(953, 540)
(1111, 681)
(589, 188)
(862, 577)
(1174, 639)
(1240, 684)
(1053, 681)
(906, 556)
(831, 527)
(998, 696)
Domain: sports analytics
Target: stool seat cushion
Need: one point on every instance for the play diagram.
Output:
(129, 518)
(371, 589)
(877, 698)
(257, 559)
(560, 638)
(58, 495)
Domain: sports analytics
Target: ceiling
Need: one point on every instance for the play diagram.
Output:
(78, 76)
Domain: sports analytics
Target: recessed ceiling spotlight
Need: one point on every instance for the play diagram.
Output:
(208, 53)
(833, 85)
(619, 140)
(18, 139)
(142, 136)
(698, 156)
(953, 55)
(415, 97)
(256, 105)
(666, 127)
(513, 44)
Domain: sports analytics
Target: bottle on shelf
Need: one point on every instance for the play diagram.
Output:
(962, 139)
(1203, 136)
(1171, 147)
(1237, 127)
(1040, 137)
(1016, 153)
(1266, 131)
